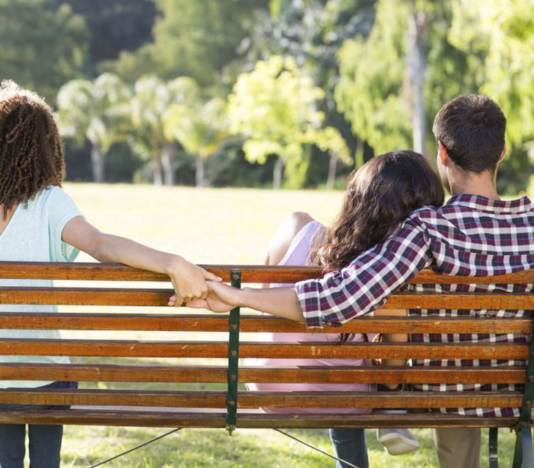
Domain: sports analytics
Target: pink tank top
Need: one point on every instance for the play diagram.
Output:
(298, 254)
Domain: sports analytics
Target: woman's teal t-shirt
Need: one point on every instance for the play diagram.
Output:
(34, 234)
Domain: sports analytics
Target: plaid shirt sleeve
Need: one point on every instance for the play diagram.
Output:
(365, 284)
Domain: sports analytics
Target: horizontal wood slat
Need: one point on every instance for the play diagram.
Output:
(256, 324)
(408, 400)
(160, 297)
(218, 374)
(249, 400)
(86, 397)
(307, 350)
(482, 300)
(118, 272)
(250, 273)
(86, 296)
(247, 421)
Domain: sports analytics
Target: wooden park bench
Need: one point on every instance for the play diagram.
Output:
(205, 348)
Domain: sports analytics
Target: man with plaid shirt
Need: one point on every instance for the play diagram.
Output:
(474, 234)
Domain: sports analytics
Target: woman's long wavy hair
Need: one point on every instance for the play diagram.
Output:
(31, 153)
(379, 197)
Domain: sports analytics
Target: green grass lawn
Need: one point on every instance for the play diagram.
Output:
(210, 226)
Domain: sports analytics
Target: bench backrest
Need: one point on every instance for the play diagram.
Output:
(168, 367)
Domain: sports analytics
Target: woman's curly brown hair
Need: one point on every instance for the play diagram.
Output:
(31, 152)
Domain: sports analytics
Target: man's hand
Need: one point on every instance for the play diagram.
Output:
(282, 302)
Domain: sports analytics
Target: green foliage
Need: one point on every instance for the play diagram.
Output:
(115, 26)
(152, 137)
(43, 45)
(199, 128)
(150, 105)
(374, 92)
(502, 32)
(359, 45)
(370, 92)
(312, 32)
(95, 110)
(329, 139)
(192, 38)
(274, 108)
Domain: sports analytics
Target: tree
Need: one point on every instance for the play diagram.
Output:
(96, 110)
(42, 46)
(402, 74)
(370, 89)
(200, 129)
(330, 140)
(192, 38)
(501, 34)
(115, 26)
(312, 31)
(274, 108)
(150, 106)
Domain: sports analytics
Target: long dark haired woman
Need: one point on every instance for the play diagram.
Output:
(379, 196)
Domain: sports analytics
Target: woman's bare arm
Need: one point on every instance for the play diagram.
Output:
(188, 280)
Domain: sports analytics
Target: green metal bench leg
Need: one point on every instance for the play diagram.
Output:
(493, 447)
(233, 360)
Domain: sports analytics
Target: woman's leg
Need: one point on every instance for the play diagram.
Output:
(12, 439)
(45, 440)
(350, 445)
(45, 445)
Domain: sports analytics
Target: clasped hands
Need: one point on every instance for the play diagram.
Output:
(220, 298)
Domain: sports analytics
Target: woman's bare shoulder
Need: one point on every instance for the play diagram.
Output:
(284, 235)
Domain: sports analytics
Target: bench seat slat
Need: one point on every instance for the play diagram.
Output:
(90, 397)
(217, 399)
(170, 418)
(250, 324)
(218, 374)
(251, 273)
(160, 297)
(85, 296)
(482, 300)
(408, 400)
(321, 350)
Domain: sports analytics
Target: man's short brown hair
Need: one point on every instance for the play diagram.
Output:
(471, 127)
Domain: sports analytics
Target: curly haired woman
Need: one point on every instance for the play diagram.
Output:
(40, 222)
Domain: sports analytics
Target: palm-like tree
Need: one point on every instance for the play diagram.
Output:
(200, 129)
(149, 112)
(96, 110)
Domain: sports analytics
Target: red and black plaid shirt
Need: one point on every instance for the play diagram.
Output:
(469, 236)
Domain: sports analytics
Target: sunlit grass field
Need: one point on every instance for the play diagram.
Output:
(215, 226)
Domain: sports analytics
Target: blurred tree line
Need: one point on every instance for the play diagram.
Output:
(244, 92)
